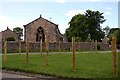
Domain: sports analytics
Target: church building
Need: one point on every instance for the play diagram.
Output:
(9, 35)
(40, 28)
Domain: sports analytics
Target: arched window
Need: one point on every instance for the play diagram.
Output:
(40, 34)
(10, 39)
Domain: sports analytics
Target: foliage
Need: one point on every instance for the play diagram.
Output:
(19, 32)
(77, 27)
(90, 65)
(94, 19)
(112, 31)
(116, 33)
(106, 29)
(86, 26)
(10, 39)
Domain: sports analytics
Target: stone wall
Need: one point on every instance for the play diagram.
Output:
(34, 47)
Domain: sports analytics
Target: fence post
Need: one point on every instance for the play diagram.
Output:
(40, 46)
(73, 53)
(5, 51)
(27, 50)
(114, 57)
(79, 45)
(47, 49)
(96, 46)
(19, 47)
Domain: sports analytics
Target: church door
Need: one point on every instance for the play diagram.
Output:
(40, 35)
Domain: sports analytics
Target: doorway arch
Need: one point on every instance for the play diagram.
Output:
(40, 34)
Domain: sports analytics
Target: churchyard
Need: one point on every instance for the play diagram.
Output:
(93, 64)
(87, 48)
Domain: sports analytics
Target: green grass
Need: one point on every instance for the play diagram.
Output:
(92, 65)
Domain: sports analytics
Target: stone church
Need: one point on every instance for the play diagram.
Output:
(8, 34)
(40, 28)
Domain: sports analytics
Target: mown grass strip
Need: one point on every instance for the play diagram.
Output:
(94, 65)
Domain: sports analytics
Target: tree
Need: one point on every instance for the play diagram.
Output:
(77, 27)
(19, 32)
(117, 34)
(112, 31)
(68, 34)
(106, 29)
(87, 26)
(118, 38)
(94, 19)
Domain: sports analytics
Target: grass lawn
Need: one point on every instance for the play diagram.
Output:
(92, 65)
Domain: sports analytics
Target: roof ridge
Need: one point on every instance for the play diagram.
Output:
(50, 21)
(9, 30)
(42, 18)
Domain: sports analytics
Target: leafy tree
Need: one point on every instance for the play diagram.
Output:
(106, 29)
(94, 19)
(77, 27)
(19, 32)
(68, 34)
(112, 31)
(86, 26)
(117, 34)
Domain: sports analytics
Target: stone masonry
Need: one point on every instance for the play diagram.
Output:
(8, 33)
(34, 47)
(40, 28)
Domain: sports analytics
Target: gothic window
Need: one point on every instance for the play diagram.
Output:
(40, 35)
(61, 39)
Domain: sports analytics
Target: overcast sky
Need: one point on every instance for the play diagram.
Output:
(18, 13)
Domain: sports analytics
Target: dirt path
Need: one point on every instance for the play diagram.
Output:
(10, 75)
(22, 75)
